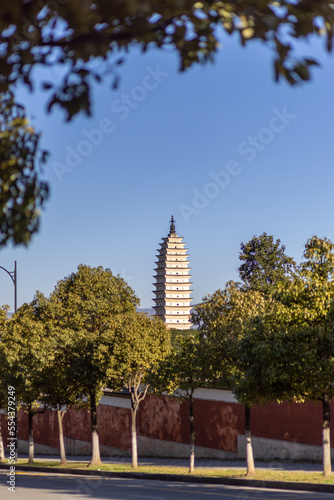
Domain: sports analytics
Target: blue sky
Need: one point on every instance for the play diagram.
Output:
(222, 147)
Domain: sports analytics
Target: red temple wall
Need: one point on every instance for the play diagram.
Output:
(217, 424)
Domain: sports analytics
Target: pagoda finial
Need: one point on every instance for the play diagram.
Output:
(172, 225)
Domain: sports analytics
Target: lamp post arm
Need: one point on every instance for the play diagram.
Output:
(13, 276)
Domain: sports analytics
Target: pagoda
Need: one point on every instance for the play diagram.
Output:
(172, 281)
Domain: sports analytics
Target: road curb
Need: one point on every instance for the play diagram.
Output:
(253, 483)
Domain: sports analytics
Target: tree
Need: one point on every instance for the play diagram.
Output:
(59, 389)
(289, 350)
(27, 351)
(139, 344)
(265, 263)
(3, 389)
(60, 395)
(88, 302)
(311, 312)
(265, 266)
(222, 319)
(75, 35)
(261, 353)
(22, 193)
(182, 372)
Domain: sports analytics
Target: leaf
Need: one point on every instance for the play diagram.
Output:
(47, 85)
(302, 71)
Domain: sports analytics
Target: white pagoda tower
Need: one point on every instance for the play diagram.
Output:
(172, 282)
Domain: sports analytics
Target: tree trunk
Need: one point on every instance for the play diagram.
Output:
(31, 437)
(134, 446)
(2, 449)
(249, 447)
(326, 446)
(192, 436)
(136, 397)
(96, 457)
(60, 416)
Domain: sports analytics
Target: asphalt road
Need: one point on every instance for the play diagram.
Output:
(38, 486)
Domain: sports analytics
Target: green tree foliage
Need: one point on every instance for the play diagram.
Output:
(183, 371)
(222, 319)
(311, 312)
(3, 317)
(26, 351)
(264, 380)
(138, 345)
(265, 266)
(89, 40)
(289, 349)
(22, 193)
(76, 34)
(3, 390)
(265, 263)
(59, 389)
(88, 302)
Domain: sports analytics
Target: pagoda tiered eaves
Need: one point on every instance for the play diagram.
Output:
(172, 301)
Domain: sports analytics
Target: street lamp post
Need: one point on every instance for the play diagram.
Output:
(13, 275)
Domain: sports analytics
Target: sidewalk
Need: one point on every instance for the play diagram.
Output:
(199, 463)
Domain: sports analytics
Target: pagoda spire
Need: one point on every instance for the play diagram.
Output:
(172, 226)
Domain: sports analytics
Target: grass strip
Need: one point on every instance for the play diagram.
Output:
(261, 474)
